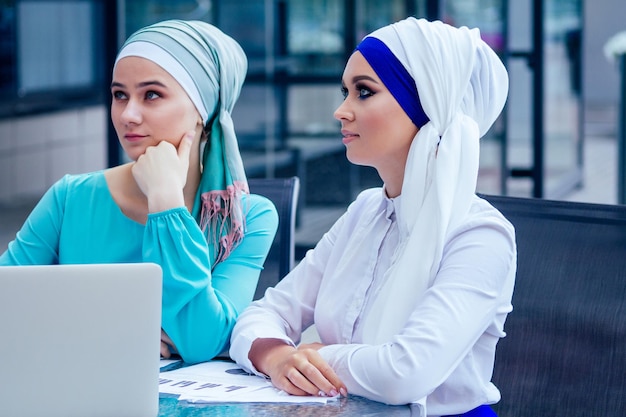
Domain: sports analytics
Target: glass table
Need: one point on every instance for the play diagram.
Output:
(352, 406)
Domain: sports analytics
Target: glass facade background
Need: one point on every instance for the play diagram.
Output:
(562, 95)
(51, 54)
(59, 53)
(8, 46)
(296, 51)
(545, 101)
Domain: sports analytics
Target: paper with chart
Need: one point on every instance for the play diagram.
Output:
(222, 381)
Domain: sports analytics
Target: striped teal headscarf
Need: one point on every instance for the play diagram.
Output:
(211, 68)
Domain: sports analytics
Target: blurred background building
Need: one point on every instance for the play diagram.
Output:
(56, 59)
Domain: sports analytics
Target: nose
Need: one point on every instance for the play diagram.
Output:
(131, 113)
(343, 112)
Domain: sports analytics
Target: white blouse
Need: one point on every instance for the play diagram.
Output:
(446, 349)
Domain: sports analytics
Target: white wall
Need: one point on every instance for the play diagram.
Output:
(603, 19)
(36, 151)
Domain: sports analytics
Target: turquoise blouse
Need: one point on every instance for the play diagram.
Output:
(77, 221)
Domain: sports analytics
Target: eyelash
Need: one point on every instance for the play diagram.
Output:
(118, 95)
(149, 95)
(364, 92)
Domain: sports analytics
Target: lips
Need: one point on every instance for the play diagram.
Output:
(348, 136)
(133, 137)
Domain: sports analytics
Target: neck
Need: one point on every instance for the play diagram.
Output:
(193, 177)
(393, 179)
(392, 189)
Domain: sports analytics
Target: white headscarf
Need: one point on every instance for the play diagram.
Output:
(462, 87)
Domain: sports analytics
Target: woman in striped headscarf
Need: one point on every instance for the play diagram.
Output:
(410, 289)
(182, 202)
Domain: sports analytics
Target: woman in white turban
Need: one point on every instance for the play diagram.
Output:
(410, 289)
(182, 202)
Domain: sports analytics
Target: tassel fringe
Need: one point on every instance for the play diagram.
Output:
(223, 215)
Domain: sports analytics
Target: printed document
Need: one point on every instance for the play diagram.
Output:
(224, 381)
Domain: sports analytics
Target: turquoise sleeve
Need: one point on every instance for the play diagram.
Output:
(199, 306)
(37, 242)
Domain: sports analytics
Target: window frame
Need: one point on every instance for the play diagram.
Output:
(14, 103)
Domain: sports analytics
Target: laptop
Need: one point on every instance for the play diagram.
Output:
(80, 340)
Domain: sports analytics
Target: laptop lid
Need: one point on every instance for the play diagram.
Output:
(80, 340)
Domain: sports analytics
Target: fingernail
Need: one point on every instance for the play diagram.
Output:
(333, 392)
(343, 392)
(321, 393)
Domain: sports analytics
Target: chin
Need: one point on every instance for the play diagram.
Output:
(133, 152)
(355, 160)
(351, 157)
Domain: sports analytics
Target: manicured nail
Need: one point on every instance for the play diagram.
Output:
(321, 393)
(343, 392)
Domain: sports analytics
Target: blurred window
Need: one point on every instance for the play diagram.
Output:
(52, 54)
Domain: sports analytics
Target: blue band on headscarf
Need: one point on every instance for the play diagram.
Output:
(395, 77)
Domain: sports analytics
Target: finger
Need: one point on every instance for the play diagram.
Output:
(336, 384)
(165, 338)
(324, 376)
(300, 383)
(316, 374)
(286, 385)
(306, 376)
(165, 351)
(170, 344)
(184, 148)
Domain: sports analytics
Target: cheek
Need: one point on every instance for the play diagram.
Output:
(378, 125)
(188, 116)
(391, 132)
(173, 127)
(177, 119)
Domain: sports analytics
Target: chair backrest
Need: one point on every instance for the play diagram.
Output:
(283, 192)
(565, 349)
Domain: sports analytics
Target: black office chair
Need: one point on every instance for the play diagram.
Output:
(283, 192)
(565, 350)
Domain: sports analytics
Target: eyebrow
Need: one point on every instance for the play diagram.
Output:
(140, 85)
(358, 78)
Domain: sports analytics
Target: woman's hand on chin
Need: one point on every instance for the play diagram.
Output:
(161, 173)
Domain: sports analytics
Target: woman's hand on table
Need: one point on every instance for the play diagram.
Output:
(297, 371)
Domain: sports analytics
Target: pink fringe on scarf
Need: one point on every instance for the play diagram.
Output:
(223, 214)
